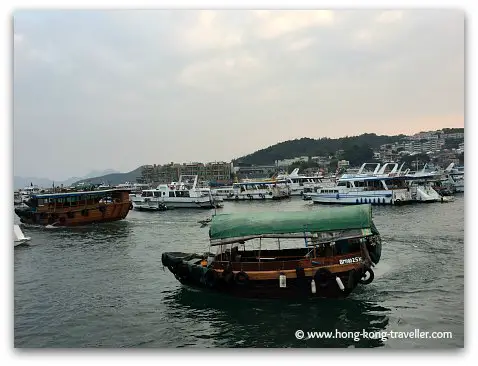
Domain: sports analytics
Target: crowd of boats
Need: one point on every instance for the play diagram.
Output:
(342, 245)
(373, 183)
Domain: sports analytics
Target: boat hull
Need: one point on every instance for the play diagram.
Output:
(75, 217)
(187, 268)
(352, 199)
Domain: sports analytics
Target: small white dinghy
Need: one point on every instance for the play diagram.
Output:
(18, 236)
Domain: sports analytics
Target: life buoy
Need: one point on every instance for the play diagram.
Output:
(210, 278)
(241, 278)
(322, 277)
(366, 279)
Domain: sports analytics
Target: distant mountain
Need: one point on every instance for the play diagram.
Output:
(20, 182)
(314, 147)
(113, 178)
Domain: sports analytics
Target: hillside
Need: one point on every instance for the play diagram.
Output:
(20, 182)
(114, 178)
(316, 147)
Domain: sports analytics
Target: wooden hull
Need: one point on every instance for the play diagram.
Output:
(266, 284)
(77, 216)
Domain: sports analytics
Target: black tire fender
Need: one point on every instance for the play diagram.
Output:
(322, 277)
(366, 279)
(210, 278)
(241, 278)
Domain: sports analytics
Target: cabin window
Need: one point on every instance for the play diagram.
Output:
(341, 184)
(171, 194)
(349, 185)
(157, 194)
(186, 194)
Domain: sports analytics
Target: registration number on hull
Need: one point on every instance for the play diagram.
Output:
(350, 260)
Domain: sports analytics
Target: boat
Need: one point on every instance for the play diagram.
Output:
(17, 198)
(75, 208)
(300, 184)
(376, 190)
(181, 194)
(259, 190)
(18, 236)
(223, 192)
(325, 253)
(455, 176)
(28, 191)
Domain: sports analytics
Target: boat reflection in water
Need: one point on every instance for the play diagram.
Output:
(273, 323)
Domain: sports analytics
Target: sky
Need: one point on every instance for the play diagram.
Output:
(96, 90)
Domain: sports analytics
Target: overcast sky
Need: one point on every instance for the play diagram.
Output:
(118, 89)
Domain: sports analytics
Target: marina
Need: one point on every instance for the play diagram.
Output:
(238, 178)
(125, 298)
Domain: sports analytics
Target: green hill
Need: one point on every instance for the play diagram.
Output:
(114, 178)
(356, 148)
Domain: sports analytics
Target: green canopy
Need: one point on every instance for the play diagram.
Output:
(286, 222)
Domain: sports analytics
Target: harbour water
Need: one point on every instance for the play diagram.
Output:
(104, 286)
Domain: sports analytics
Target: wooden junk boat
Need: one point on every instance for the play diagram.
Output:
(334, 252)
(75, 208)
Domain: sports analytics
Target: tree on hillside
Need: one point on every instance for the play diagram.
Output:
(312, 147)
(358, 155)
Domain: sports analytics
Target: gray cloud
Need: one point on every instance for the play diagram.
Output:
(116, 89)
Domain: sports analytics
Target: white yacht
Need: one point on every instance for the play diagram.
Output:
(456, 177)
(377, 187)
(259, 190)
(374, 190)
(223, 192)
(182, 194)
(26, 192)
(381, 186)
(299, 184)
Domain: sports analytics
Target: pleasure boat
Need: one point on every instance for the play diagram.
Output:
(182, 194)
(300, 184)
(455, 176)
(341, 247)
(375, 187)
(75, 208)
(27, 192)
(259, 190)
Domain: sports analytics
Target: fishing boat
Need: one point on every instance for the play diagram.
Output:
(318, 253)
(75, 208)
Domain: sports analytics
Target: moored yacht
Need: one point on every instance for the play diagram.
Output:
(182, 194)
(300, 184)
(259, 190)
(360, 189)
